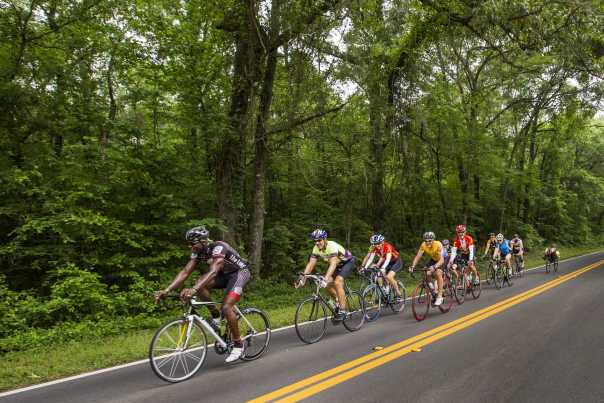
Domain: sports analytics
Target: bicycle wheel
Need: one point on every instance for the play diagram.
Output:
(556, 266)
(420, 302)
(356, 311)
(497, 277)
(255, 330)
(546, 266)
(460, 289)
(518, 266)
(448, 296)
(178, 349)
(311, 319)
(372, 302)
(476, 287)
(399, 306)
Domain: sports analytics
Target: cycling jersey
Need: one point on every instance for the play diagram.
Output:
(232, 261)
(465, 245)
(332, 249)
(504, 247)
(385, 250)
(518, 246)
(432, 251)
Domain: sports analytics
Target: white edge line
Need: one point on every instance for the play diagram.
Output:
(131, 364)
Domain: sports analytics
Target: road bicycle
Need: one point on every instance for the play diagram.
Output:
(179, 347)
(424, 296)
(379, 293)
(314, 311)
(465, 283)
(516, 265)
(499, 273)
(551, 264)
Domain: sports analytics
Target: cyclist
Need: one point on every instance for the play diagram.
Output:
(227, 270)
(465, 245)
(434, 249)
(490, 246)
(551, 253)
(340, 261)
(502, 248)
(388, 261)
(518, 249)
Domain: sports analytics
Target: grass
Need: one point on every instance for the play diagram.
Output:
(279, 300)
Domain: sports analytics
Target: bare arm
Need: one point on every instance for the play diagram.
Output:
(417, 257)
(333, 262)
(215, 267)
(310, 266)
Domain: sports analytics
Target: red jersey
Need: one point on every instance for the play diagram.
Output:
(463, 244)
(382, 252)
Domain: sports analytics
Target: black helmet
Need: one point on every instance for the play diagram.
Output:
(197, 234)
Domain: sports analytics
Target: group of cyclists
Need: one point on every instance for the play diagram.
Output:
(229, 271)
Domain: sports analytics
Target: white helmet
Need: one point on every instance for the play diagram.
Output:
(499, 237)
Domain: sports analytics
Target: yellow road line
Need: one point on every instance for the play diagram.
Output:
(372, 360)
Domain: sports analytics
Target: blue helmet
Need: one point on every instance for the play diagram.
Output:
(318, 234)
(376, 239)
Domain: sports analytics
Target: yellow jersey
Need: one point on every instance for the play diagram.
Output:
(433, 251)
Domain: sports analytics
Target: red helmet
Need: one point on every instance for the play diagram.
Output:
(460, 228)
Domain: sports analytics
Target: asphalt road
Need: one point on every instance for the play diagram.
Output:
(547, 347)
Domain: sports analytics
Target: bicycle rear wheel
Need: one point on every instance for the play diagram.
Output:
(448, 296)
(420, 302)
(178, 349)
(311, 319)
(356, 311)
(399, 306)
(255, 330)
(372, 302)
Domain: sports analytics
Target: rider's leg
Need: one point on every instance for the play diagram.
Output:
(339, 288)
(204, 294)
(229, 313)
(521, 254)
(391, 279)
(508, 262)
(439, 280)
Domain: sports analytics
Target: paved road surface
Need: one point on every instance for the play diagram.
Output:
(548, 347)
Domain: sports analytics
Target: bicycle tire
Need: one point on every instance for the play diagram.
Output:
(420, 302)
(497, 277)
(556, 266)
(399, 307)
(256, 337)
(372, 302)
(160, 354)
(547, 266)
(315, 319)
(460, 289)
(448, 296)
(355, 316)
(476, 288)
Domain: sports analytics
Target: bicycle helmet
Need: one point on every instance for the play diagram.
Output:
(516, 236)
(318, 234)
(499, 237)
(429, 236)
(445, 242)
(460, 228)
(491, 234)
(376, 239)
(197, 234)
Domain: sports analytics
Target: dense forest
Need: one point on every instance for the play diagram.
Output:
(125, 122)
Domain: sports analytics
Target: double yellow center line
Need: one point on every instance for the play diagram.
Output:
(327, 379)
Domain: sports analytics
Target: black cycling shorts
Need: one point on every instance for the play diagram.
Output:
(234, 281)
(394, 266)
(343, 269)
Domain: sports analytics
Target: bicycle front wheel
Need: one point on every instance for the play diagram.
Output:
(476, 285)
(420, 302)
(398, 306)
(255, 330)
(556, 266)
(497, 277)
(311, 319)
(448, 296)
(372, 302)
(547, 267)
(460, 289)
(356, 311)
(178, 349)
